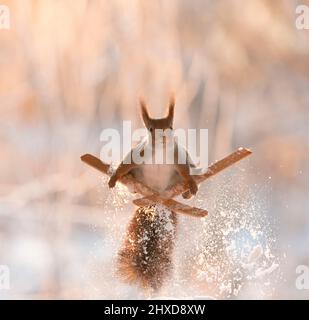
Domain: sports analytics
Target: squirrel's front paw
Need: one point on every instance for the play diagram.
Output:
(193, 187)
(187, 195)
(112, 181)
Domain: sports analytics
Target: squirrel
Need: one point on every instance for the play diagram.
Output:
(145, 257)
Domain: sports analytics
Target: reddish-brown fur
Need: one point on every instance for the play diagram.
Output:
(146, 254)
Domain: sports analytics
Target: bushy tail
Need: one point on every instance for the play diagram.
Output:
(146, 255)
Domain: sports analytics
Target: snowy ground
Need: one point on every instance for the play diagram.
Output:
(232, 253)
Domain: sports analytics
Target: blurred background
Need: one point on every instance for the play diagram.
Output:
(69, 69)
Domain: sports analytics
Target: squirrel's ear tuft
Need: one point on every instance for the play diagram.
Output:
(144, 112)
(171, 108)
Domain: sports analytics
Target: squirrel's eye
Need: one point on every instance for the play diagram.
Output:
(150, 129)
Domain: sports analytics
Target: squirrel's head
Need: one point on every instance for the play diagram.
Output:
(161, 130)
(162, 123)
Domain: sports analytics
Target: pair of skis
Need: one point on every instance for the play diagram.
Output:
(166, 198)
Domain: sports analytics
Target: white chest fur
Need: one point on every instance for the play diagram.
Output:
(157, 176)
